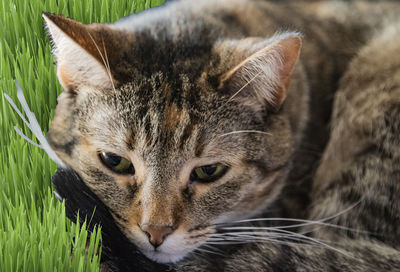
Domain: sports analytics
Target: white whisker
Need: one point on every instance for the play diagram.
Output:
(302, 222)
(302, 238)
(108, 64)
(227, 243)
(295, 226)
(103, 59)
(210, 252)
(250, 234)
(244, 86)
(255, 241)
(244, 131)
(197, 255)
(212, 248)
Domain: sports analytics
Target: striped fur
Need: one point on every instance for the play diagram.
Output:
(197, 84)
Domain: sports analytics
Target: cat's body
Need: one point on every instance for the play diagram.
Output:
(198, 84)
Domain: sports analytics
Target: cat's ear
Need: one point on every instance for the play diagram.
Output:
(265, 72)
(81, 52)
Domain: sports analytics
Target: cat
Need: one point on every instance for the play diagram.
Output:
(188, 119)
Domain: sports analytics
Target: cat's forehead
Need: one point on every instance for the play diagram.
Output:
(146, 57)
(167, 118)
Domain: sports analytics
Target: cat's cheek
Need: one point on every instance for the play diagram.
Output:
(264, 193)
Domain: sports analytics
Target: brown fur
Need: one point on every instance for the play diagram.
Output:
(205, 84)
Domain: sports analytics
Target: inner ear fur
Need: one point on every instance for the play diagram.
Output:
(85, 54)
(264, 73)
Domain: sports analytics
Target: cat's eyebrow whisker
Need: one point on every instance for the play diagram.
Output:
(108, 64)
(244, 131)
(244, 86)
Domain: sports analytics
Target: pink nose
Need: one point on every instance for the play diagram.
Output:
(156, 234)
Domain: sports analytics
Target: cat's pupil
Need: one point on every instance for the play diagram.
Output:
(209, 169)
(116, 163)
(208, 173)
(113, 160)
(193, 175)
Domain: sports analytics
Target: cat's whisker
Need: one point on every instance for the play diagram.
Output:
(244, 131)
(267, 235)
(296, 226)
(249, 234)
(310, 239)
(108, 64)
(265, 240)
(278, 231)
(276, 234)
(269, 240)
(294, 219)
(197, 255)
(104, 59)
(212, 248)
(250, 239)
(230, 242)
(247, 238)
(209, 252)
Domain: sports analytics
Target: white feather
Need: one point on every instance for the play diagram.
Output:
(33, 125)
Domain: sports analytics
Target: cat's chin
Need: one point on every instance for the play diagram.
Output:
(162, 257)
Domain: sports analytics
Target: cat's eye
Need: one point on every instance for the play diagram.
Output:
(116, 163)
(208, 173)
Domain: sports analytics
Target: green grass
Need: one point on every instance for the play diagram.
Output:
(35, 235)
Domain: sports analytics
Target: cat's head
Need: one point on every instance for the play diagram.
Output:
(174, 129)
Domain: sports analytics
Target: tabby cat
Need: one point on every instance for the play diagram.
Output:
(188, 119)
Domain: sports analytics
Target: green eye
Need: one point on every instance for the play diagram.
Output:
(208, 173)
(116, 163)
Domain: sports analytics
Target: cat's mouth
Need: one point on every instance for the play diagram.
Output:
(173, 249)
(168, 253)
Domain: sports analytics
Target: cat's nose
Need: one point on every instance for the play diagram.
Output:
(156, 234)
